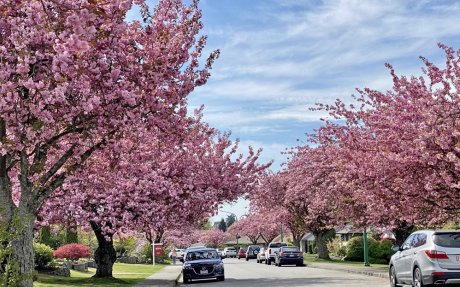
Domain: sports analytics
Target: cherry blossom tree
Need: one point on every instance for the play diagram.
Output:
(246, 226)
(144, 184)
(311, 179)
(214, 237)
(75, 73)
(402, 146)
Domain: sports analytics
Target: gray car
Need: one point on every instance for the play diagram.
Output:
(427, 257)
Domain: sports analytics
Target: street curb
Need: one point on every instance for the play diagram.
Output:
(177, 279)
(368, 273)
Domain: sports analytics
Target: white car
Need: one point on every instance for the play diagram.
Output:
(179, 252)
(273, 248)
(427, 258)
(229, 252)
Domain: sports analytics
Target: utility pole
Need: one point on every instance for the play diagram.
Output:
(366, 248)
(281, 236)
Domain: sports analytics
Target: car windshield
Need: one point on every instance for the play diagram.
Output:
(290, 249)
(451, 239)
(201, 254)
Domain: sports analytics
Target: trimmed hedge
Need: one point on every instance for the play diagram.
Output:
(379, 251)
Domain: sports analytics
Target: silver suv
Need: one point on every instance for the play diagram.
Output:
(427, 257)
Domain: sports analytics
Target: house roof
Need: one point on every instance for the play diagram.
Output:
(308, 237)
(348, 229)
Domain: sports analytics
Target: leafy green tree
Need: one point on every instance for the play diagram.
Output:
(230, 220)
(222, 225)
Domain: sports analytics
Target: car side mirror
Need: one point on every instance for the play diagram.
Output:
(396, 248)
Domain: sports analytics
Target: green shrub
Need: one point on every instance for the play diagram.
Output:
(9, 268)
(335, 247)
(43, 255)
(125, 246)
(379, 251)
(145, 253)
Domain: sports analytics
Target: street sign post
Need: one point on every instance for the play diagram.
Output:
(157, 250)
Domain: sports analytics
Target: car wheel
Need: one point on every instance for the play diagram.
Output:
(185, 279)
(221, 278)
(247, 258)
(418, 280)
(393, 279)
(269, 262)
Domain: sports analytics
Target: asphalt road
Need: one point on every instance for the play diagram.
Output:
(251, 274)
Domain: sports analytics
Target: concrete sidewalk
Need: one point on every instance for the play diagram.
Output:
(379, 271)
(166, 277)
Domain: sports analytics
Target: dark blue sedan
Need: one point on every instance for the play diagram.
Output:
(202, 263)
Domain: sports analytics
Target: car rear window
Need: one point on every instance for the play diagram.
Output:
(232, 249)
(451, 239)
(277, 245)
(290, 249)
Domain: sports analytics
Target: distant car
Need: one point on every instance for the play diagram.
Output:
(261, 255)
(179, 253)
(229, 252)
(252, 251)
(427, 257)
(220, 253)
(202, 263)
(289, 255)
(241, 253)
(272, 249)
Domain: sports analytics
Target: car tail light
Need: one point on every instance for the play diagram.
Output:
(438, 273)
(270, 251)
(281, 254)
(434, 254)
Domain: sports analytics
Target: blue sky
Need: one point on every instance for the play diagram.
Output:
(279, 57)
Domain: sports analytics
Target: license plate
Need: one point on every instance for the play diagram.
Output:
(292, 255)
(203, 272)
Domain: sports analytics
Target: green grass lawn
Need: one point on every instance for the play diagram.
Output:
(125, 275)
(314, 258)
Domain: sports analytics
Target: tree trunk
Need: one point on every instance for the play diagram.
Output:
(21, 229)
(321, 238)
(105, 254)
(296, 240)
(402, 231)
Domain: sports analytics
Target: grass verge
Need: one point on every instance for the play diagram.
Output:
(314, 258)
(124, 275)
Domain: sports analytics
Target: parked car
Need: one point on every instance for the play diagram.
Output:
(229, 252)
(219, 252)
(202, 263)
(241, 253)
(179, 253)
(427, 257)
(273, 248)
(252, 251)
(289, 255)
(261, 255)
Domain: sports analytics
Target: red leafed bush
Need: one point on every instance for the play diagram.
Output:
(73, 251)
